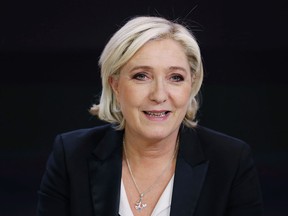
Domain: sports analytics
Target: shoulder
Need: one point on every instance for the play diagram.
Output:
(209, 135)
(81, 141)
(86, 133)
(217, 144)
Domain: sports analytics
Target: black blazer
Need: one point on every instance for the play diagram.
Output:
(215, 175)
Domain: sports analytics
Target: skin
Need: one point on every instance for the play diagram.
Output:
(153, 91)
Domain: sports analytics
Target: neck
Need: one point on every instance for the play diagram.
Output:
(150, 153)
(147, 169)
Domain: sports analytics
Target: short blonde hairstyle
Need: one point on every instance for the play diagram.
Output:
(125, 43)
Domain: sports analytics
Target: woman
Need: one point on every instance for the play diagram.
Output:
(152, 158)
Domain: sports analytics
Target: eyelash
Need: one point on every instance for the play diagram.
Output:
(140, 76)
(177, 78)
(143, 76)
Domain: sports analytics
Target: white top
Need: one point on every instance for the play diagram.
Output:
(162, 207)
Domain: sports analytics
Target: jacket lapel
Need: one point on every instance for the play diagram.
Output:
(190, 174)
(105, 167)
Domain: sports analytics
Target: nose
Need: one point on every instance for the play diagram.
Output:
(158, 91)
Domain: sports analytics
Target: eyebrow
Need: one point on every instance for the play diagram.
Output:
(172, 68)
(141, 67)
(177, 68)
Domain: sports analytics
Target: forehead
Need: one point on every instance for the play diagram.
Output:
(159, 53)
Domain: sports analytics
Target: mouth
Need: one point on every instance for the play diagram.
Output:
(157, 114)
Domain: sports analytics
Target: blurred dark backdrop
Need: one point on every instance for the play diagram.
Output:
(49, 79)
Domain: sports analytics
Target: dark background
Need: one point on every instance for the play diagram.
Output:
(49, 79)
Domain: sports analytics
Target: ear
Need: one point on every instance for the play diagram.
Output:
(193, 77)
(113, 82)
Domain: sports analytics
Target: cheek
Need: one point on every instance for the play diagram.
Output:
(182, 98)
(129, 95)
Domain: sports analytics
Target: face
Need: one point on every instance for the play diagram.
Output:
(153, 90)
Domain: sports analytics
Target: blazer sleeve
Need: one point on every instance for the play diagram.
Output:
(53, 195)
(245, 197)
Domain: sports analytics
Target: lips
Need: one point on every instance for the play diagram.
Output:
(157, 114)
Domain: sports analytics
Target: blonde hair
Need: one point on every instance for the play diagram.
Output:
(125, 43)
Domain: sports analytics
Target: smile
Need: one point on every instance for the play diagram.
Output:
(157, 114)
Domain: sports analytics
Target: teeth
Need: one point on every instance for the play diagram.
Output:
(156, 114)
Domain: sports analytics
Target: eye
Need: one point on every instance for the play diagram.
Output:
(140, 76)
(176, 78)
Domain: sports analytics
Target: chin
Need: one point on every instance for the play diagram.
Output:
(159, 133)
